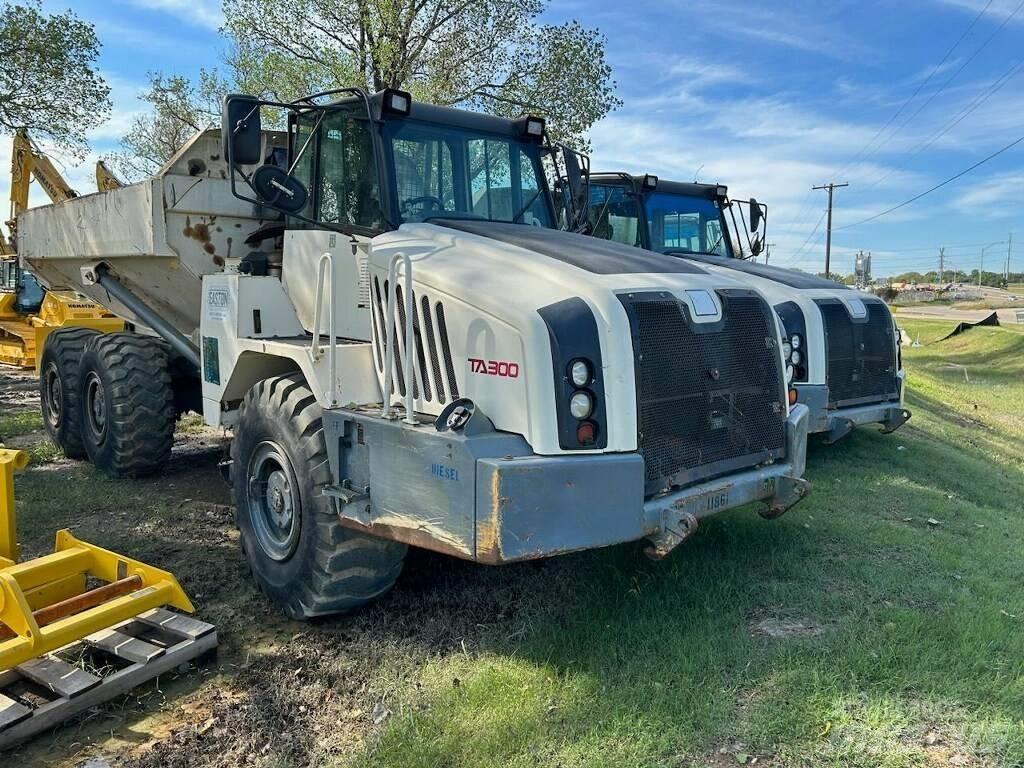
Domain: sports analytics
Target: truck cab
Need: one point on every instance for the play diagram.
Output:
(842, 345)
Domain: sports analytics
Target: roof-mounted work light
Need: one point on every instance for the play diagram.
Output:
(397, 102)
(722, 191)
(532, 127)
(650, 181)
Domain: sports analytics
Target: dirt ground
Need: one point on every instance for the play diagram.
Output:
(278, 692)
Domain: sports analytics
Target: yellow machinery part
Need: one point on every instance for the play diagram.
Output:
(22, 337)
(44, 603)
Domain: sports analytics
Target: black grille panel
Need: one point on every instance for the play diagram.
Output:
(861, 356)
(709, 398)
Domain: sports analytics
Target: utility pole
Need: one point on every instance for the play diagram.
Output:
(942, 254)
(768, 251)
(1009, 250)
(828, 231)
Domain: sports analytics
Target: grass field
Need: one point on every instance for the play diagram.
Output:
(880, 623)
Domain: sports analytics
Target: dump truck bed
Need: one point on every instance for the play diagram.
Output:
(158, 236)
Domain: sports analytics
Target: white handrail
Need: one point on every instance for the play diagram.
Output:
(326, 262)
(389, 331)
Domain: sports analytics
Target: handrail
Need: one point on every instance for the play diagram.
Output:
(390, 337)
(326, 261)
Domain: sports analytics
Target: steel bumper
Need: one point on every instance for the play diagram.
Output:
(532, 507)
(836, 423)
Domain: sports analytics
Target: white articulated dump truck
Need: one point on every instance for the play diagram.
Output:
(408, 352)
(842, 344)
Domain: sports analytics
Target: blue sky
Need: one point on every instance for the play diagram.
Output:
(769, 98)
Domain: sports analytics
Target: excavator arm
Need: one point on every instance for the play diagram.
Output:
(28, 161)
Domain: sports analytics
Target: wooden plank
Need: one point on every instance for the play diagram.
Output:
(124, 646)
(121, 682)
(58, 676)
(11, 712)
(185, 626)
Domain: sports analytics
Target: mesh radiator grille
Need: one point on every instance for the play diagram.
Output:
(708, 399)
(861, 356)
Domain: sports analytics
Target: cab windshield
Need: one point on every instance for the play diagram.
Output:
(682, 223)
(441, 171)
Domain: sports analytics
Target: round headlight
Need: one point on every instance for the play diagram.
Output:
(795, 358)
(581, 405)
(579, 373)
(796, 341)
(787, 350)
(789, 373)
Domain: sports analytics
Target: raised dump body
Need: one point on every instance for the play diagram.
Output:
(159, 236)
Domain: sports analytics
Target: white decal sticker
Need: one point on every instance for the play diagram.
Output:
(217, 304)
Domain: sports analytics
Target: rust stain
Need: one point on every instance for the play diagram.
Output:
(218, 260)
(196, 166)
(424, 538)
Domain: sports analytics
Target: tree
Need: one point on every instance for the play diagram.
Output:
(179, 110)
(489, 55)
(48, 78)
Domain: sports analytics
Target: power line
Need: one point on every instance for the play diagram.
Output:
(917, 90)
(804, 205)
(962, 67)
(977, 102)
(813, 231)
(951, 179)
(831, 187)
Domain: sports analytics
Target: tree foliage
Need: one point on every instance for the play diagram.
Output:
(179, 109)
(49, 82)
(495, 56)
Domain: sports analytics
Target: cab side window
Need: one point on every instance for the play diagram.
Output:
(613, 214)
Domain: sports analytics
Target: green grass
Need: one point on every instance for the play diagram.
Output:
(920, 626)
(16, 424)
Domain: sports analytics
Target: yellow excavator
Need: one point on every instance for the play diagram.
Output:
(28, 313)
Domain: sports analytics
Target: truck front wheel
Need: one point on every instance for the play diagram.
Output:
(127, 404)
(299, 553)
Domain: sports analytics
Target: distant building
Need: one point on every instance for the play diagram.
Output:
(862, 269)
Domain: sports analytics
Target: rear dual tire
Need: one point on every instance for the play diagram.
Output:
(127, 404)
(108, 398)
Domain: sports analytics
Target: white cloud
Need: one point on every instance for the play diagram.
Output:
(201, 13)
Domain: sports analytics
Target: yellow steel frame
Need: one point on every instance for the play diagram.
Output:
(27, 587)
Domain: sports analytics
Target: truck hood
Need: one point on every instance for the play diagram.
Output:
(527, 265)
(788, 277)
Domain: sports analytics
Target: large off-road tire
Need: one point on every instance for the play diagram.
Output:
(127, 404)
(301, 556)
(59, 385)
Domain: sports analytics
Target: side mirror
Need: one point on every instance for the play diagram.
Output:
(275, 187)
(577, 179)
(755, 216)
(240, 129)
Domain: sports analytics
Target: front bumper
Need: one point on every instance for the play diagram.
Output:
(836, 423)
(489, 504)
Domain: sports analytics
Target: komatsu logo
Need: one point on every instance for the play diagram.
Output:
(502, 368)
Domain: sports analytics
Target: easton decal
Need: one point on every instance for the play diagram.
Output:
(503, 368)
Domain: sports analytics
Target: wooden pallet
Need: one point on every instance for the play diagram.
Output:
(45, 692)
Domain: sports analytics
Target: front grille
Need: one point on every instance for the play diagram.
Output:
(861, 354)
(709, 396)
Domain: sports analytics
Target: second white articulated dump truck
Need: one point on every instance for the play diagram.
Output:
(408, 351)
(842, 344)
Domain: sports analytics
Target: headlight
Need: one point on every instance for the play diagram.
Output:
(580, 405)
(795, 358)
(579, 373)
(789, 373)
(796, 341)
(787, 350)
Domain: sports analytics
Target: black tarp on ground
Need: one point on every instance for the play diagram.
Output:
(992, 319)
